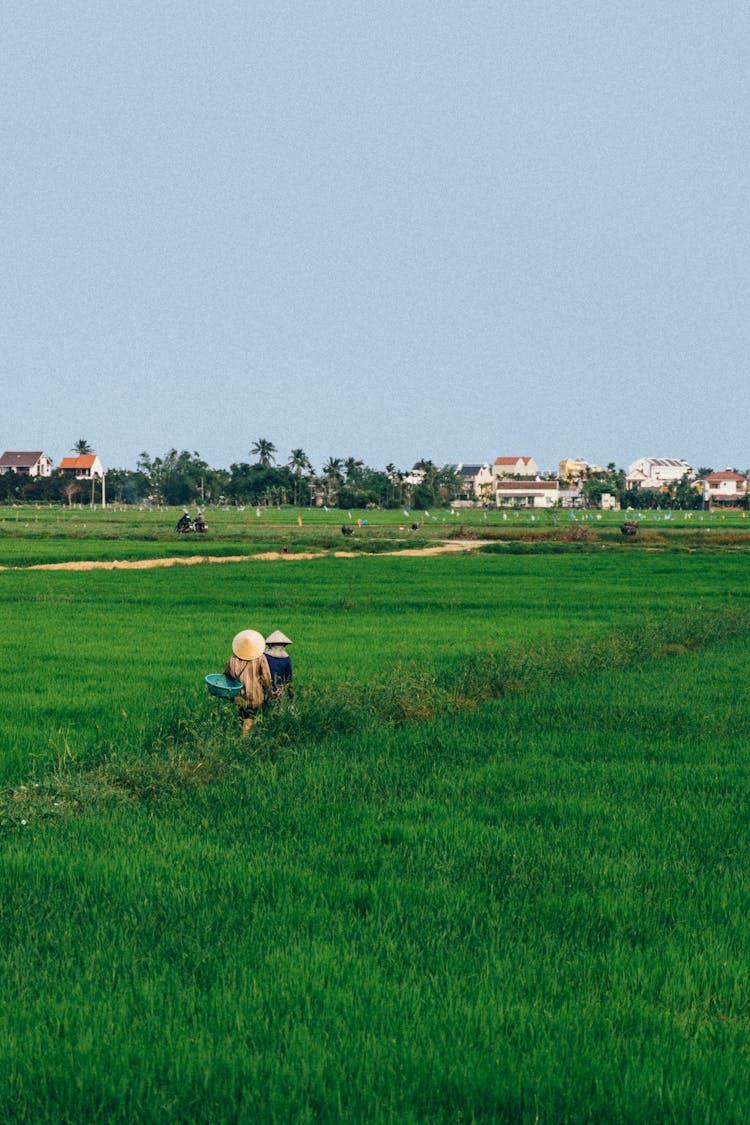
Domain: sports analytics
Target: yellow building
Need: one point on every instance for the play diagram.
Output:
(575, 469)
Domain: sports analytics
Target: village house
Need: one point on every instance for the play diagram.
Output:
(475, 481)
(725, 489)
(526, 493)
(656, 472)
(85, 466)
(575, 469)
(34, 464)
(514, 467)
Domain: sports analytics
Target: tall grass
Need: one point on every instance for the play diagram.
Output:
(97, 659)
(493, 868)
(531, 912)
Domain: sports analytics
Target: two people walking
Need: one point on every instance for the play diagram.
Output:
(264, 672)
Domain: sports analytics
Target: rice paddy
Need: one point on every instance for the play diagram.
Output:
(494, 867)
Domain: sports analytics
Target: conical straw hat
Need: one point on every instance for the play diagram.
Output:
(278, 638)
(248, 644)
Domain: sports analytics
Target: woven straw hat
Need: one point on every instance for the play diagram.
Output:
(248, 644)
(278, 638)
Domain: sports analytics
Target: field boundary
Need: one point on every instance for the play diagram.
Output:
(455, 546)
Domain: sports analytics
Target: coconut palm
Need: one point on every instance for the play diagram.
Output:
(391, 476)
(264, 450)
(332, 475)
(81, 447)
(298, 462)
(352, 467)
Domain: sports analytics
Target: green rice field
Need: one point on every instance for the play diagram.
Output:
(492, 867)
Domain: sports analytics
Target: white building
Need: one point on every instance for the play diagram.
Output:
(656, 472)
(34, 464)
(526, 493)
(726, 487)
(85, 466)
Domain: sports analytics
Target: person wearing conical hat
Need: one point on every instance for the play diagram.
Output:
(249, 665)
(279, 663)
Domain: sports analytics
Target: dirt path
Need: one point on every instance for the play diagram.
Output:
(455, 546)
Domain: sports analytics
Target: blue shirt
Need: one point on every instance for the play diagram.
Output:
(281, 669)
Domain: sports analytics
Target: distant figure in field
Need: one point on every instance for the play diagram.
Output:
(279, 664)
(200, 522)
(184, 523)
(249, 665)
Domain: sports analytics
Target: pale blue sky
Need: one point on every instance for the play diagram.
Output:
(435, 228)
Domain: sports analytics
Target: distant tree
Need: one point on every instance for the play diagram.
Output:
(447, 483)
(391, 481)
(176, 478)
(259, 484)
(264, 450)
(352, 467)
(298, 463)
(332, 476)
(685, 495)
(126, 486)
(82, 447)
(71, 488)
(426, 493)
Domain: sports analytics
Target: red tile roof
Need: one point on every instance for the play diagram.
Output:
(83, 461)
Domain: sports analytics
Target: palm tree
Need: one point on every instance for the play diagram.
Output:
(332, 475)
(264, 450)
(298, 462)
(81, 447)
(352, 467)
(390, 475)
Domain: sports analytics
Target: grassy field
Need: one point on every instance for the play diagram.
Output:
(494, 868)
(31, 536)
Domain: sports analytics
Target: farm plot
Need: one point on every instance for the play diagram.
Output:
(524, 908)
(94, 660)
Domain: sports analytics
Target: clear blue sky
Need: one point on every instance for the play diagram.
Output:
(382, 228)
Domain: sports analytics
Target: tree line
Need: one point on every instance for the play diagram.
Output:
(185, 478)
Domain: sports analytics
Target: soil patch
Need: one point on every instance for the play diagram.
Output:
(455, 546)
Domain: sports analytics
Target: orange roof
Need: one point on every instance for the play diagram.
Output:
(726, 475)
(83, 461)
(511, 460)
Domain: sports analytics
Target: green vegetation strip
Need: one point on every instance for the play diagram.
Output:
(31, 537)
(204, 746)
(495, 868)
(531, 912)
